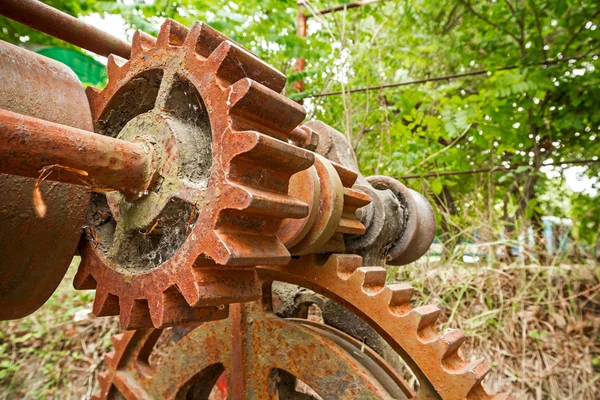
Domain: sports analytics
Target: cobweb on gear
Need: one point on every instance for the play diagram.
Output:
(141, 251)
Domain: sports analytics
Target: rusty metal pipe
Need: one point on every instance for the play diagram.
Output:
(28, 144)
(53, 22)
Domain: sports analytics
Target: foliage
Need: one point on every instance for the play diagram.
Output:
(524, 117)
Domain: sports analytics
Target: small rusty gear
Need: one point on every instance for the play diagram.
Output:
(211, 114)
(327, 188)
(253, 342)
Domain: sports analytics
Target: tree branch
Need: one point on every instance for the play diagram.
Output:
(539, 29)
(485, 19)
(512, 10)
(570, 42)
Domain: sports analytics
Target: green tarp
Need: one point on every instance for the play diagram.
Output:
(88, 70)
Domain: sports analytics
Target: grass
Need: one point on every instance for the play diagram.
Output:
(48, 355)
(539, 326)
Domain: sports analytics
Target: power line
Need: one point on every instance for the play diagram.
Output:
(347, 6)
(494, 169)
(449, 77)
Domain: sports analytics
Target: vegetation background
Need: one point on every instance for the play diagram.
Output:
(534, 315)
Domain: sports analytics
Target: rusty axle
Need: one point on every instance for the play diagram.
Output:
(53, 22)
(29, 144)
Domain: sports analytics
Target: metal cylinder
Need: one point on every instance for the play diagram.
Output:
(53, 22)
(35, 252)
(71, 155)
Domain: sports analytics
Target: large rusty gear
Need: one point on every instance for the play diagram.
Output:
(220, 133)
(253, 341)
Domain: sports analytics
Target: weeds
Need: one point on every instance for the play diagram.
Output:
(537, 325)
(50, 355)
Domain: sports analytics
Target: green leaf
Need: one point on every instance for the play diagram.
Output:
(437, 186)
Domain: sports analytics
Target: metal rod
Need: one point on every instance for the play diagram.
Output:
(29, 145)
(53, 22)
(300, 61)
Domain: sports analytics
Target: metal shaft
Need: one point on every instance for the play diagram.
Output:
(53, 22)
(28, 145)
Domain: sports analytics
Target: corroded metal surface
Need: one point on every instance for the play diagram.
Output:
(399, 222)
(253, 342)
(53, 22)
(36, 252)
(188, 247)
(257, 363)
(28, 144)
(418, 225)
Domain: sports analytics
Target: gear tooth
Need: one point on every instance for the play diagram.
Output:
(479, 393)
(110, 360)
(451, 341)
(478, 368)
(186, 285)
(103, 379)
(256, 107)
(220, 285)
(428, 316)
(176, 311)
(119, 341)
(125, 306)
(355, 199)
(114, 63)
(104, 385)
(273, 153)
(264, 203)
(371, 279)
(397, 297)
(235, 63)
(105, 303)
(240, 249)
(94, 96)
(83, 278)
(348, 223)
(141, 43)
(138, 316)
(264, 162)
(204, 39)
(156, 309)
(346, 264)
(92, 91)
(350, 226)
(347, 176)
(172, 33)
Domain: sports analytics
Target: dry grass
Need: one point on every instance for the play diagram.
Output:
(539, 326)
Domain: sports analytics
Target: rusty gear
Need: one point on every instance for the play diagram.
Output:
(211, 113)
(432, 357)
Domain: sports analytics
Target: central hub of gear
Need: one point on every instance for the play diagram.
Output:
(183, 160)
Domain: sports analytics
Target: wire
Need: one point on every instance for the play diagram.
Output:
(494, 169)
(448, 77)
(346, 6)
